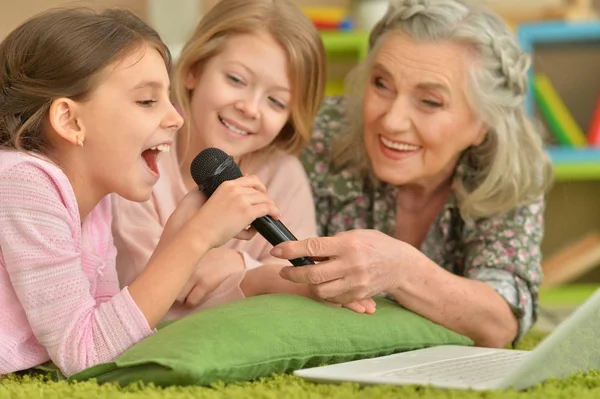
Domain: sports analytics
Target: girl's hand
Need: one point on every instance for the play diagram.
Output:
(229, 212)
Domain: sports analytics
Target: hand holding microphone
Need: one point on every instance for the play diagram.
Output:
(214, 171)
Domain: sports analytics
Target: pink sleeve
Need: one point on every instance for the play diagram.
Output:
(136, 230)
(43, 255)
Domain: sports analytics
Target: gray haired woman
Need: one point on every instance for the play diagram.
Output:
(428, 177)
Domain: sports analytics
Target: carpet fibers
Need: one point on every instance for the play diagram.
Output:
(288, 386)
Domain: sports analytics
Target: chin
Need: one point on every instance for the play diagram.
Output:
(136, 195)
(388, 175)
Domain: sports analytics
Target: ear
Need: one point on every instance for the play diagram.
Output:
(481, 134)
(192, 77)
(64, 121)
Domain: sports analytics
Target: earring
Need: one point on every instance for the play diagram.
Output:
(79, 142)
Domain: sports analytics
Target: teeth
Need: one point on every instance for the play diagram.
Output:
(233, 128)
(398, 146)
(162, 147)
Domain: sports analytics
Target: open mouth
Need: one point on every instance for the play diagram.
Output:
(151, 155)
(397, 146)
(234, 129)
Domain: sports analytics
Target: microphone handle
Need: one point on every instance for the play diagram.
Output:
(275, 233)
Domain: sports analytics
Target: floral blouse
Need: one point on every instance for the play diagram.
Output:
(503, 250)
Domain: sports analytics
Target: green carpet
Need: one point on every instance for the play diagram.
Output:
(287, 386)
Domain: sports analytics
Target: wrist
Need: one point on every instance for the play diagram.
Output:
(251, 284)
(409, 271)
(196, 241)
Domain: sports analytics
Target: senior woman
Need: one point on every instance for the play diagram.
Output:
(429, 178)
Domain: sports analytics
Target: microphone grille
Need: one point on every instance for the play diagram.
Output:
(211, 167)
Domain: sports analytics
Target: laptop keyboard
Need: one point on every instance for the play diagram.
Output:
(470, 370)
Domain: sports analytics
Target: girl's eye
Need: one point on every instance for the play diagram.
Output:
(277, 103)
(234, 79)
(146, 103)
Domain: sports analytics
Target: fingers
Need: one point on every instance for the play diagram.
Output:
(369, 304)
(246, 234)
(254, 211)
(197, 294)
(355, 306)
(324, 247)
(257, 199)
(366, 305)
(314, 274)
(247, 181)
(184, 292)
(250, 197)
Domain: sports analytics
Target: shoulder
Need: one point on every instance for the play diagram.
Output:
(328, 125)
(316, 156)
(280, 169)
(34, 177)
(36, 191)
(525, 220)
(326, 180)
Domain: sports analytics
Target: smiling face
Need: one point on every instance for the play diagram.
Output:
(126, 121)
(240, 98)
(415, 109)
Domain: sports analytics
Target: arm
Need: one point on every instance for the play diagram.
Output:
(469, 307)
(494, 302)
(51, 274)
(497, 301)
(290, 189)
(136, 229)
(43, 257)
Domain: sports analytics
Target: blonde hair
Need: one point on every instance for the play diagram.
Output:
(60, 53)
(292, 30)
(510, 167)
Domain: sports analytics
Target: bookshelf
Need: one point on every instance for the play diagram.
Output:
(575, 163)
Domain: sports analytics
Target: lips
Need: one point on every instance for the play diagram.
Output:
(235, 127)
(397, 145)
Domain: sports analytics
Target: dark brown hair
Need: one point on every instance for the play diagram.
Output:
(60, 53)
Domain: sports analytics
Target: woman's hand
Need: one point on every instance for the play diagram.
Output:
(266, 279)
(357, 264)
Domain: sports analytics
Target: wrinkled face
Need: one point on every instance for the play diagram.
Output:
(240, 98)
(127, 121)
(416, 114)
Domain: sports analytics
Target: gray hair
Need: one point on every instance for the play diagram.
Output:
(510, 167)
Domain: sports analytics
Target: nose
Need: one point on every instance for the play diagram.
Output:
(173, 119)
(249, 106)
(397, 117)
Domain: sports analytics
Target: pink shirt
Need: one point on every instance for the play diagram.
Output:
(59, 294)
(137, 226)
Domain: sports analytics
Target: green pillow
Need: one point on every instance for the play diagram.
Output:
(268, 334)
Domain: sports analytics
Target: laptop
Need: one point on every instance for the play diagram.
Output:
(574, 346)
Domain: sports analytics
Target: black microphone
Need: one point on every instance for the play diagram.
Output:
(211, 167)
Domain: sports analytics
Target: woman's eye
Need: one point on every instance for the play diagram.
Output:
(378, 82)
(432, 104)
